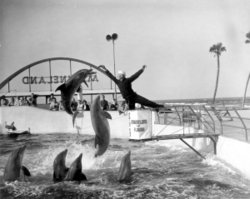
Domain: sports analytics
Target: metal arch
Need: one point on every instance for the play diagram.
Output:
(8, 79)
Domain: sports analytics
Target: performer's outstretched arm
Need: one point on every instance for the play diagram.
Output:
(109, 74)
(137, 74)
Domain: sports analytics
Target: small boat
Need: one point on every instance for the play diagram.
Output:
(16, 133)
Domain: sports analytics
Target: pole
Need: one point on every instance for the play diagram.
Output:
(114, 68)
(245, 93)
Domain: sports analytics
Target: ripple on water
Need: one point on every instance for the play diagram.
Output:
(158, 172)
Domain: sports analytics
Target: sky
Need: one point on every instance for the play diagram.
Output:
(171, 37)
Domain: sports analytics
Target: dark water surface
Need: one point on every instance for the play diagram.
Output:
(158, 172)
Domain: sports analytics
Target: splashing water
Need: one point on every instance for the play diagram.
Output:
(158, 171)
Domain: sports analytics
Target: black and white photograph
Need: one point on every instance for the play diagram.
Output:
(131, 99)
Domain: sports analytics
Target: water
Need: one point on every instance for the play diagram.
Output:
(158, 172)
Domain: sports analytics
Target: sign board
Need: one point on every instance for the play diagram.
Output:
(140, 124)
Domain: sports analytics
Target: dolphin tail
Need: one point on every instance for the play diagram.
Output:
(74, 117)
(26, 171)
(61, 87)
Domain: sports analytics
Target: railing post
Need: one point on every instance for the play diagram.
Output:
(29, 82)
(197, 117)
(243, 123)
(210, 117)
(50, 75)
(91, 87)
(8, 87)
(218, 117)
(177, 112)
(70, 67)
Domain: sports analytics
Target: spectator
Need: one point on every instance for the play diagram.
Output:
(104, 103)
(74, 105)
(53, 104)
(33, 99)
(18, 101)
(113, 105)
(123, 107)
(4, 101)
(61, 106)
(26, 101)
(79, 106)
(51, 98)
(12, 101)
(85, 106)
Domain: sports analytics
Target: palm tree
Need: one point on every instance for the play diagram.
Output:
(245, 92)
(217, 49)
(248, 38)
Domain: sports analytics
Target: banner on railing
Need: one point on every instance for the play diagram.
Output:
(140, 124)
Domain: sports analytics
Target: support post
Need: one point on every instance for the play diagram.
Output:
(177, 112)
(29, 81)
(70, 67)
(192, 149)
(243, 123)
(8, 86)
(50, 76)
(210, 117)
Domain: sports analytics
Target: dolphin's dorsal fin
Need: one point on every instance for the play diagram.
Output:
(26, 171)
(61, 87)
(82, 177)
(107, 115)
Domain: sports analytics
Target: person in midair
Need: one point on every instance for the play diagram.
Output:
(125, 85)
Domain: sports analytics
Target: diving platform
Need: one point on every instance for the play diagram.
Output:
(183, 136)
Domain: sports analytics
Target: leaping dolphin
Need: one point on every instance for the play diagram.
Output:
(125, 168)
(101, 126)
(60, 169)
(75, 171)
(14, 168)
(71, 86)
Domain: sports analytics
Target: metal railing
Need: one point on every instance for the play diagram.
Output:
(221, 120)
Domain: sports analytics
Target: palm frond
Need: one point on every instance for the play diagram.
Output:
(248, 35)
(217, 48)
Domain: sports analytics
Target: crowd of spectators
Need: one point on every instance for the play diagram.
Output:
(55, 105)
(19, 101)
(81, 105)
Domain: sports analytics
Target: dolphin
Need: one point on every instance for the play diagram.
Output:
(14, 169)
(75, 171)
(72, 85)
(60, 170)
(101, 126)
(125, 168)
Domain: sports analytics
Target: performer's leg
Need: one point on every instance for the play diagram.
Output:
(143, 101)
(131, 104)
